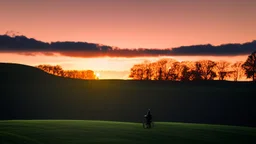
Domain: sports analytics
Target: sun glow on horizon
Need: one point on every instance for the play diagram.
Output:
(104, 67)
(98, 75)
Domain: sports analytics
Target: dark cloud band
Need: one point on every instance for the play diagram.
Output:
(28, 46)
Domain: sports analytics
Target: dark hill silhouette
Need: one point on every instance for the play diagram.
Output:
(30, 93)
(12, 71)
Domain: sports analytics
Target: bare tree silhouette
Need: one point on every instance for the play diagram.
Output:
(250, 66)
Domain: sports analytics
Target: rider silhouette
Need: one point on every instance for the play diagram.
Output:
(148, 117)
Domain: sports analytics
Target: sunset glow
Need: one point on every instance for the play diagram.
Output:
(127, 25)
(124, 71)
(120, 65)
(132, 23)
(98, 75)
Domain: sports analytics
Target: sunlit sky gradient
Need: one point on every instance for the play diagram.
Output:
(127, 24)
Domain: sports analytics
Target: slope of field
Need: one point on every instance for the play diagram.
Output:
(80, 132)
(29, 93)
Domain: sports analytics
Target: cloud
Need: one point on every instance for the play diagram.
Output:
(30, 46)
(221, 50)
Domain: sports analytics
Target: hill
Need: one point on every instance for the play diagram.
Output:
(80, 132)
(29, 93)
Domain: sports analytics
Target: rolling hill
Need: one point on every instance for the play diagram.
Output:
(30, 93)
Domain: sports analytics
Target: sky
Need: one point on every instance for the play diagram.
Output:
(129, 24)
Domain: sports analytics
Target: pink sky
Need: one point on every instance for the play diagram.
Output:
(133, 23)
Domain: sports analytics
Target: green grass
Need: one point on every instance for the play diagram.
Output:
(81, 132)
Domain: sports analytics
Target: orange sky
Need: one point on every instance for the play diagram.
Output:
(127, 24)
(105, 63)
(122, 65)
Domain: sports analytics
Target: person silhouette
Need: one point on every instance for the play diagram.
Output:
(148, 117)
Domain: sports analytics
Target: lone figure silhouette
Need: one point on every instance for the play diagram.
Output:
(148, 117)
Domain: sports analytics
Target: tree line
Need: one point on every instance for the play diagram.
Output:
(171, 69)
(58, 71)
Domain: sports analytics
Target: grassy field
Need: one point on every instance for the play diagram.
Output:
(81, 132)
(29, 93)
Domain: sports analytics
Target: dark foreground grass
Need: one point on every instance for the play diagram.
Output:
(85, 132)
